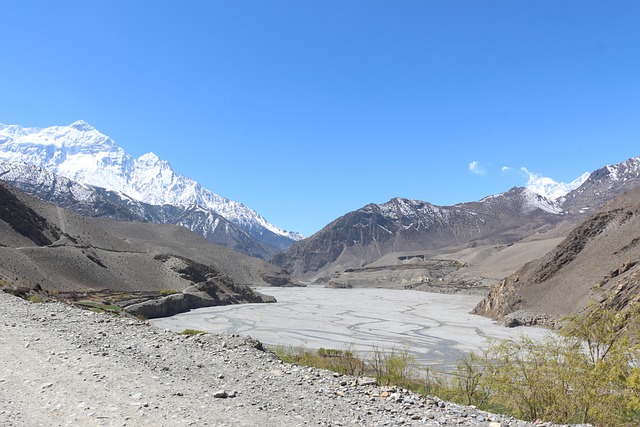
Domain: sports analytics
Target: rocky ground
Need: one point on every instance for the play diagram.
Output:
(64, 366)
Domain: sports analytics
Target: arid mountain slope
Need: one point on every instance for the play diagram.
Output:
(41, 244)
(602, 186)
(400, 225)
(599, 256)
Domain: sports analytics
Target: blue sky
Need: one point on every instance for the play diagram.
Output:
(306, 110)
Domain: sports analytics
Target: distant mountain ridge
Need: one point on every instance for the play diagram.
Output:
(82, 154)
(362, 236)
(110, 183)
(602, 186)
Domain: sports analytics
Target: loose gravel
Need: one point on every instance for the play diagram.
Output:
(62, 366)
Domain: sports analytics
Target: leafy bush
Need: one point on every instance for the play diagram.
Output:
(98, 307)
(341, 361)
(393, 367)
(588, 374)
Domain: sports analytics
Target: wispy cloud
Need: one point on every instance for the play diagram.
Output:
(506, 169)
(475, 167)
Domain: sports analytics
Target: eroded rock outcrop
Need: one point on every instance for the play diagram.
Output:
(598, 261)
(210, 288)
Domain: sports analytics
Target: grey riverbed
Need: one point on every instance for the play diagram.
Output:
(436, 328)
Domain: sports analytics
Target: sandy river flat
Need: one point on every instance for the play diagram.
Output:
(436, 328)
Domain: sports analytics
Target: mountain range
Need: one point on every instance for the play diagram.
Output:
(468, 247)
(400, 225)
(98, 170)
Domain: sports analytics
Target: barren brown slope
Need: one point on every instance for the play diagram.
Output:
(41, 244)
(401, 225)
(601, 255)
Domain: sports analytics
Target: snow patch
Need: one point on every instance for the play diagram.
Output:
(534, 200)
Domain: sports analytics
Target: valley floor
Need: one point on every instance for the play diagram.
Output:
(436, 329)
(64, 366)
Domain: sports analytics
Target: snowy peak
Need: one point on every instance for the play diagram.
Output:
(551, 189)
(83, 154)
(148, 159)
(82, 126)
(603, 185)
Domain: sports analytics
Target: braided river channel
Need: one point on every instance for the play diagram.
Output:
(437, 329)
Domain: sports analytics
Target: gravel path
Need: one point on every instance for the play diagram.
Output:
(63, 366)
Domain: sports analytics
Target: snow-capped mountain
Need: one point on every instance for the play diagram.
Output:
(551, 189)
(97, 202)
(83, 154)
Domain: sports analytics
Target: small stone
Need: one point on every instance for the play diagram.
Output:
(220, 394)
(367, 381)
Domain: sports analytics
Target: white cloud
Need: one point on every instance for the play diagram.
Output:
(476, 168)
(506, 169)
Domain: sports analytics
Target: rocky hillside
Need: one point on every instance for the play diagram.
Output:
(92, 201)
(599, 257)
(46, 247)
(363, 236)
(602, 186)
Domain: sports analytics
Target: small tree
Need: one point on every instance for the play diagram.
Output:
(469, 386)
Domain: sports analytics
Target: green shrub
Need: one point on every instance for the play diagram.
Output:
(588, 374)
(35, 298)
(99, 308)
(393, 367)
(341, 361)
